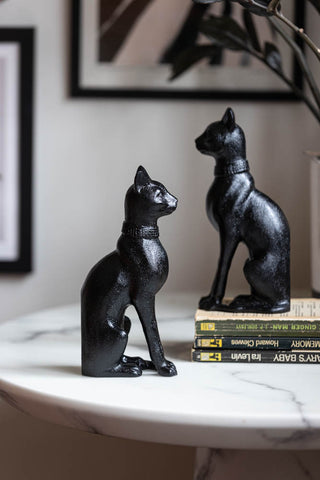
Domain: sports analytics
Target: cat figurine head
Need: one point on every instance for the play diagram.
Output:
(148, 199)
(223, 140)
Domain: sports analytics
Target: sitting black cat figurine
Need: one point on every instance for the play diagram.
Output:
(243, 214)
(131, 275)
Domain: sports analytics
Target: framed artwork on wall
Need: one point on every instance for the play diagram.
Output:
(16, 101)
(126, 48)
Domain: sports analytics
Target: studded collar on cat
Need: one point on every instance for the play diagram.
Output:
(135, 231)
(238, 166)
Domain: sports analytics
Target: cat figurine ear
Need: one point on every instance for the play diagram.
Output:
(141, 179)
(228, 119)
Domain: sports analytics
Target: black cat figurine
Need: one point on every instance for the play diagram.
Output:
(131, 275)
(243, 214)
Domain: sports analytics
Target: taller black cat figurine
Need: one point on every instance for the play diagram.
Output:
(243, 214)
(131, 275)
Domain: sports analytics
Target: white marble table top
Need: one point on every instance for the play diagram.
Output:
(214, 405)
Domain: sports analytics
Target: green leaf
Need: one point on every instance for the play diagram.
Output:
(226, 32)
(272, 57)
(251, 29)
(316, 4)
(188, 57)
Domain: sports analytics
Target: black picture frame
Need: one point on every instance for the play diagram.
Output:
(77, 90)
(24, 38)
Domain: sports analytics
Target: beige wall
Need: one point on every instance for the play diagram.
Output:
(85, 156)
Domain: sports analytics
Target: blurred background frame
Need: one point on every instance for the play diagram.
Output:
(16, 121)
(125, 48)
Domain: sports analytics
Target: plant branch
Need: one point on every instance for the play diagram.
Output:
(296, 90)
(273, 8)
(286, 80)
(301, 59)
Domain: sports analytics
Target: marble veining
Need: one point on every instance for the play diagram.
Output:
(211, 405)
(205, 463)
(291, 396)
(216, 464)
(30, 336)
(9, 399)
(304, 470)
(307, 435)
(78, 421)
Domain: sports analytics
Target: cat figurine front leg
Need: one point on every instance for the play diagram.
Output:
(146, 311)
(131, 275)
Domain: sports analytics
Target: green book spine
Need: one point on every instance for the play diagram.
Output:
(245, 327)
(256, 356)
(216, 342)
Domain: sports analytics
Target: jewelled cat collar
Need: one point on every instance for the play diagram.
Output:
(238, 166)
(148, 232)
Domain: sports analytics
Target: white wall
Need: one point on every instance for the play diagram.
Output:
(85, 156)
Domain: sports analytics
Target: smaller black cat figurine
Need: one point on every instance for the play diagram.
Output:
(243, 214)
(131, 275)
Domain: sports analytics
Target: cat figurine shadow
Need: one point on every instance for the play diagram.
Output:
(241, 213)
(131, 275)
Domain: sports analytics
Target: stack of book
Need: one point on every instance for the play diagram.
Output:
(292, 337)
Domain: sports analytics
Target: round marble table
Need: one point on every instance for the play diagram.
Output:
(230, 406)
